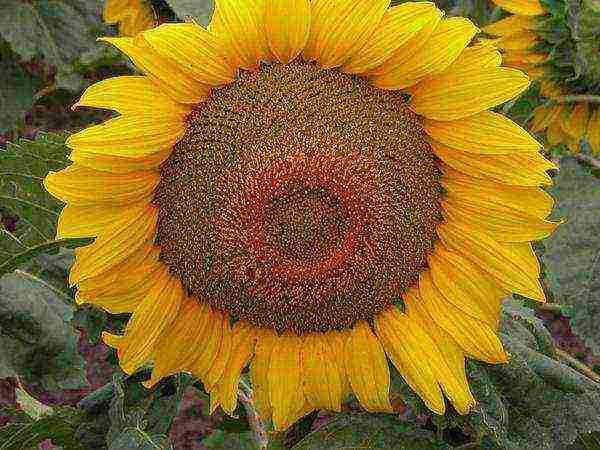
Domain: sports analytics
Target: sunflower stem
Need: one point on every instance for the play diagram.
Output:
(590, 160)
(578, 365)
(553, 307)
(587, 98)
(258, 428)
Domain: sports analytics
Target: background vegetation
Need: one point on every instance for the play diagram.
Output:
(60, 386)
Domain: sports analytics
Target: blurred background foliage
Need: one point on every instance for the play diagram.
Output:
(61, 387)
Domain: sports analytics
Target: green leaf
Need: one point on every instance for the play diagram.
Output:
(534, 402)
(141, 418)
(17, 90)
(23, 166)
(29, 433)
(572, 255)
(369, 431)
(222, 440)
(30, 405)
(201, 10)
(59, 30)
(37, 341)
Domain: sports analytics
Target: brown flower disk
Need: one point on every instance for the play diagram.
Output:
(299, 199)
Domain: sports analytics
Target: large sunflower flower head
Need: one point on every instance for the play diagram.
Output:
(558, 44)
(308, 189)
(133, 16)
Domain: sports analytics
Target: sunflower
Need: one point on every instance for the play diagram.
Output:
(133, 16)
(528, 40)
(307, 189)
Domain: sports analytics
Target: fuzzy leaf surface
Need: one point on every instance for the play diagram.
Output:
(572, 255)
(17, 89)
(59, 30)
(369, 431)
(23, 166)
(38, 342)
(534, 402)
(26, 433)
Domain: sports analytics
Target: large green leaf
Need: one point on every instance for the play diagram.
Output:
(125, 415)
(38, 342)
(59, 30)
(17, 89)
(222, 440)
(146, 425)
(369, 431)
(572, 255)
(200, 10)
(534, 402)
(23, 165)
(27, 433)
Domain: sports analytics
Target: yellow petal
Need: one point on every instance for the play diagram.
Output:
(465, 286)
(242, 348)
(445, 45)
(504, 223)
(549, 89)
(477, 56)
(132, 95)
(511, 25)
(216, 369)
(488, 194)
(527, 255)
(498, 260)
(204, 359)
(457, 94)
(476, 338)
(367, 369)
(259, 371)
(484, 133)
(152, 317)
(451, 371)
(525, 57)
(285, 384)
(337, 341)
(522, 7)
(240, 27)
(194, 50)
(128, 136)
(576, 124)
(113, 11)
(544, 116)
(144, 257)
(287, 23)
(81, 186)
(413, 352)
(135, 227)
(119, 164)
(136, 16)
(415, 43)
(398, 25)
(555, 133)
(522, 40)
(163, 73)
(183, 340)
(86, 221)
(593, 132)
(126, 299)
(322, 384)
(339, 28)
(525, 169)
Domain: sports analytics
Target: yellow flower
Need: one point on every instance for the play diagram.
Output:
(517, 37)
(133, 16)
(308, 189)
